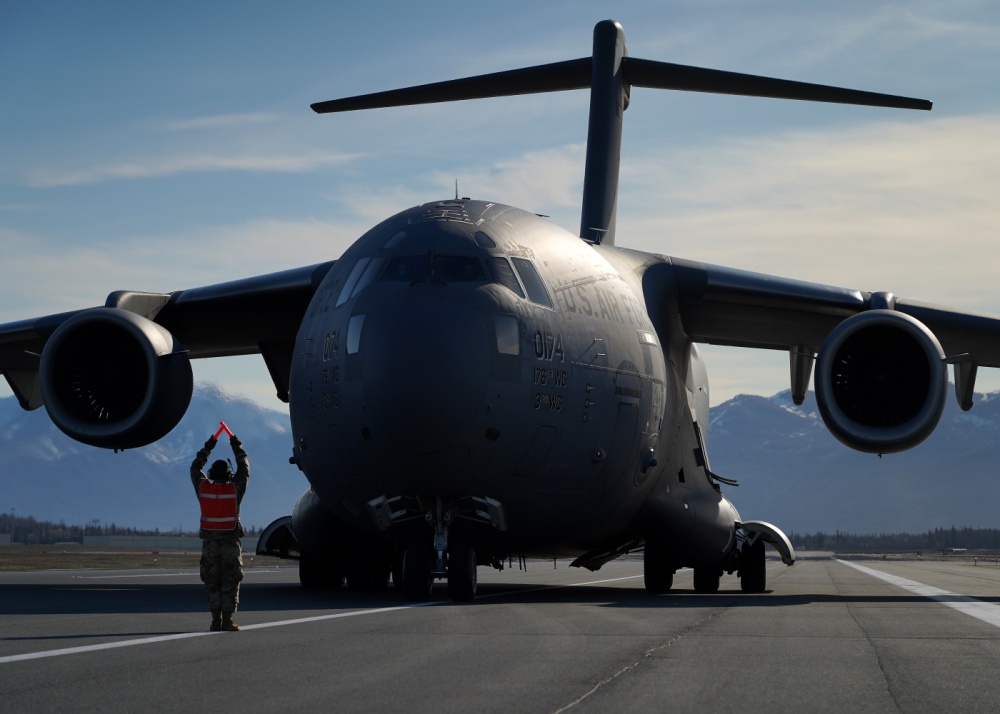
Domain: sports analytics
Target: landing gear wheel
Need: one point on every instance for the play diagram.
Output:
(417, 577)
(314, 573)
(706, 580)
(461, 572)
(372, 575)
(753, 568)
(658, 573)
(397, 571)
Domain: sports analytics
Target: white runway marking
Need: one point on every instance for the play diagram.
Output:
(171, 574)
(206, 633)
(985, 611)
(298, 621)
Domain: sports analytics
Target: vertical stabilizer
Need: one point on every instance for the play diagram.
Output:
(608, 100)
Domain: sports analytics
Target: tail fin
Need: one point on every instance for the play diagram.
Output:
(610, 74)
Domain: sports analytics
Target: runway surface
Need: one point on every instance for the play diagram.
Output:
(825, 637)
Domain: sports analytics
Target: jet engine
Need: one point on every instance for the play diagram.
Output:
(113, 379)
(881, 382)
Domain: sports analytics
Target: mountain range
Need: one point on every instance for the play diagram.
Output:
(795, 474)
(45, 474)
(792, 472)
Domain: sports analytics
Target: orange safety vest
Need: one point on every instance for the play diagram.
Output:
(219, 510)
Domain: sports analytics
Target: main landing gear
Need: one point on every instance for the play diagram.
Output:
(364, 571)
(657, 569)
(706, 580)
(747, 559)
(753, 567)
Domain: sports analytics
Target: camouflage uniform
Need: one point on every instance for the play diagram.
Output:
(221, 561)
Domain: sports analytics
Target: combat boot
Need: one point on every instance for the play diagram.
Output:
(216, 625)
(227, 623)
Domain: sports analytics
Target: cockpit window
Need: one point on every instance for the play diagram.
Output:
(443, 268)
(532, 282)
(504, 275)
(483, 240)
(458, 269)
(406, 269)
(364, 272)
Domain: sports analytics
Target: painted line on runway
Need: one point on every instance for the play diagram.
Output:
(170, 574)
(205, 633)
(96, 648)
(985, 611)
(538, 588)
(262, 625)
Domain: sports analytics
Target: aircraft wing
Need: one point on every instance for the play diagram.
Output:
(261, 314)
(726, 306)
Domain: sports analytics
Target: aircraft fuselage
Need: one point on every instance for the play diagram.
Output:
(468, 349)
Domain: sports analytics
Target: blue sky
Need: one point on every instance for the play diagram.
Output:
(160, 146)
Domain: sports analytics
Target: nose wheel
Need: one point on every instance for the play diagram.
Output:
(461, 572)
(416, 571)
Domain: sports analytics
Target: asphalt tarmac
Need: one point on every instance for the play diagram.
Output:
(825, 637)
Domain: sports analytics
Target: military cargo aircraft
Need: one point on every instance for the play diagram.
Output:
(469, 382)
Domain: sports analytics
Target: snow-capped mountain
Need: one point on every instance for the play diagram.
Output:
(45, 474)
(792, 472)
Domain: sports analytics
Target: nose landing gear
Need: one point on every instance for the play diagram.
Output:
(420, 567)
(461, 572)
(453, 559)
(416, 571)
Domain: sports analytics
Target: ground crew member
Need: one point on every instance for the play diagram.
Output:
(220, 495)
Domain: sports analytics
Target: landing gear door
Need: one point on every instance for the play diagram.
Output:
(771, 534)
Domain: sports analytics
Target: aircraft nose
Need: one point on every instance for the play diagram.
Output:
(426, 371)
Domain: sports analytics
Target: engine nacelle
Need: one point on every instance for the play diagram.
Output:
(113, 379)
(881, 382)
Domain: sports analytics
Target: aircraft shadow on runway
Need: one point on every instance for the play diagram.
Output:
(159, 598)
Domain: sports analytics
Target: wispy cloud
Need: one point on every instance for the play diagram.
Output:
(168, 166)
(35, 283)
(546, 181)
(886, 206)
(537, 180)
(219, 121)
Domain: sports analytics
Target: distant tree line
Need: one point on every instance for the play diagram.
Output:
(28, 530)
(937, 539)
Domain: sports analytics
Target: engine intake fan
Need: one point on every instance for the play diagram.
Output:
(881, 382)
(113, 379)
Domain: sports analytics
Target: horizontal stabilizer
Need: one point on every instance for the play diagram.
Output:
(556, 77)
(666, 75)
(576, 74)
